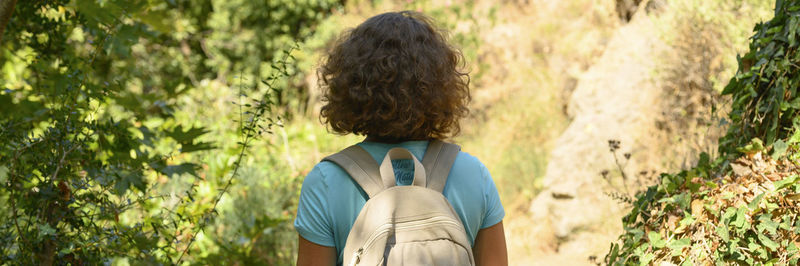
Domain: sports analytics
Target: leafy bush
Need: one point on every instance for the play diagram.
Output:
(731, 210)
(76, 168)
(748, 218)
(100, 160)
(765, 102)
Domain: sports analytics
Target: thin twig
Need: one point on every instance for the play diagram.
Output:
(13, 201)
(622, 172)
(247, 138)
(16, 218)
(61, 162)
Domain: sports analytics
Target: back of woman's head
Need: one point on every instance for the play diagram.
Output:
(395, 76)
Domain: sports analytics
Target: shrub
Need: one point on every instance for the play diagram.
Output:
(99, 160)
(733, 210)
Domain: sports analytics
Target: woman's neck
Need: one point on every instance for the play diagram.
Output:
(385, 139)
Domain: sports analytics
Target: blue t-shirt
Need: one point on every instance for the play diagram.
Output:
(330, 200)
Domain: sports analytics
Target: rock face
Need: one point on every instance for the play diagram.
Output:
(614, 99)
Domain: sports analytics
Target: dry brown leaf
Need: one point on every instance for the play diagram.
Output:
(793, 197)
(741, 170)
(698, 210)
(774, 177)
(672, 222)
(743, 161)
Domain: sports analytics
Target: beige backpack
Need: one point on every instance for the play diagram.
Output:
(404, 225)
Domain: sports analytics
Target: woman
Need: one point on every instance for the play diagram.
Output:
(396, 80)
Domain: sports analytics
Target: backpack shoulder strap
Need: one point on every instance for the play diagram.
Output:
(438, 161)
(360, 165)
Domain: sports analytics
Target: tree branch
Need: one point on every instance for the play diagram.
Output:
(6, 8)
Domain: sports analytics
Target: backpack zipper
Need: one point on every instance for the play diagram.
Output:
(383, 229)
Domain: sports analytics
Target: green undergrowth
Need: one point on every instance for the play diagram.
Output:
(693, 217)
(742, 207)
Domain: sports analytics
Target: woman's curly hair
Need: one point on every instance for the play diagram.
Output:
(395, 76)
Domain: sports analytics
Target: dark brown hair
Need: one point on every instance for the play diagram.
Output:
(395, 76)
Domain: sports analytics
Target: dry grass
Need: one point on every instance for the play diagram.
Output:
(704, 38)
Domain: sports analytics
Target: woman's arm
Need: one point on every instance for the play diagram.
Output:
(490, 246)
(309, 253)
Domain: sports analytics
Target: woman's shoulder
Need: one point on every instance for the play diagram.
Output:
(324, 173)
(469, 165)
(467, 158)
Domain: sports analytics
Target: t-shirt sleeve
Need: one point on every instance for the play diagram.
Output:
(313, 222)
(494, 208)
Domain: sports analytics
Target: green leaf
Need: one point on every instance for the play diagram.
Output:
(192, 147)
(741, 218)
(765, 222)
(158, 20)
(655, 239)
(184, 168)
(186, 139)
(728, 214)
(187, 136)
(640, 250)
(722, 232)
(682, 200)
(678, 245)
(771, 206)
(122, 183)
(786, 222)
(647, 258)
(3, 174)
(613, 253)
(65, 251)
(693, 187)
(731, 87)
(786, 182)
(794, 104)
(755, 145)
(768, 242)
(687, 221)
(795, 138)
(667, 183)
(136, 180)
(754, 204)
(95, 13)
(779, 148)
(46, 230)
(756, 248)
(636, 233)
